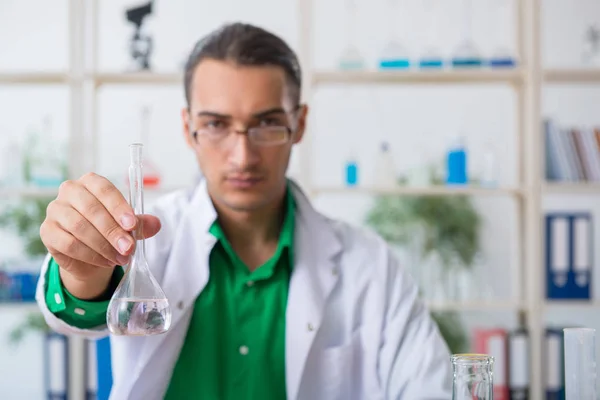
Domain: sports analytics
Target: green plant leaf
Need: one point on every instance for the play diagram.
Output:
(25, 220)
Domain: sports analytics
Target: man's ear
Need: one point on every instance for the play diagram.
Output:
(301, 126)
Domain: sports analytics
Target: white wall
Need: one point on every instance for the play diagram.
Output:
(418, 121)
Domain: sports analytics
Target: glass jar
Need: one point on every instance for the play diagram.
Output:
(472, 377)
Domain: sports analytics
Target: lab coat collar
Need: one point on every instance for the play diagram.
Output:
(314, 275)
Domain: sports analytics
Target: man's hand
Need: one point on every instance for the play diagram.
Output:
(88, 232)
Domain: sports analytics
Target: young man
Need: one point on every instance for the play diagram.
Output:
(270, 299)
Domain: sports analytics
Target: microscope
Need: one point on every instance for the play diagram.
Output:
(140, 46)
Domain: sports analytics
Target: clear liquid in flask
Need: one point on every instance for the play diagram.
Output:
(139, 307)
(140, 317)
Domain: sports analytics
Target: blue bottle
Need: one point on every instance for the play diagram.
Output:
(351, 172)
(456, 163)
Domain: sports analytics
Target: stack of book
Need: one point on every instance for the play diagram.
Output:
(572, 154)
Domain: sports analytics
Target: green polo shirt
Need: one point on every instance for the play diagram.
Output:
(235, 343)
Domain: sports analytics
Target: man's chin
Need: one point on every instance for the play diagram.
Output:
(245, 201)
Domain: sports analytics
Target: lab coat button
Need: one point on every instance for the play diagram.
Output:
(180, 305)
(310, 327)
(243, 350)
(250, 283)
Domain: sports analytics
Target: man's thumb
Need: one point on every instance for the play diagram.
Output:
(150, 225)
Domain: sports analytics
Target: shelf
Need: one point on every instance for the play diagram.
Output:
(593, 303)
(474, 305)
(7, 78)
(421, 191)
(20, 305)
(589, 188)
(137, 78)
(53, 192)
(572, 75)
(513, 76)
(28, 192)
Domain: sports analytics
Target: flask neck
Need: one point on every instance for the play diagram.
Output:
(136, 195)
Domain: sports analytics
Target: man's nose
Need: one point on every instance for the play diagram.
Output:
(242, 152)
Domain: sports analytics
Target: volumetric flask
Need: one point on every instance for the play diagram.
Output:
(139, 306)
(395, 55)
(351, 58)
(472, 377)
(580, 363)
(466, 54)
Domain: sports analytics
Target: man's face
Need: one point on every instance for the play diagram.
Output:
(227, 100)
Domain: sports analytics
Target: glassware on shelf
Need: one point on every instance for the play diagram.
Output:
(466, 54)
(139, 307)
(431, 57)
(456, 162)
(472, 377)
(394, 55)
(12, 174)
(501, 57)
(385, 170)
(591, 46)
(351, 170)
(46, 160)
(489, 172)
(351, 59)
(580, 363)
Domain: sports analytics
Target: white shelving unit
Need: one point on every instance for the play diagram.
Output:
(420, 191)
(527, 80)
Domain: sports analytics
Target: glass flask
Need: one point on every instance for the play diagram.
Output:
(431, 57)
(500, 15)
(395, 54)
(351, 59)
(466, 54)
(139, 307)
(580, 363)
(473, 378)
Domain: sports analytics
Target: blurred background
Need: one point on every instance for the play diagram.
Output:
(466, 132)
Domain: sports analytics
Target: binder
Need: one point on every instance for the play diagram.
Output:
(98, 369)
(554, 364)
(518, 359)
(91, 371)
(56, 371)
(569, 257)
(494, 343)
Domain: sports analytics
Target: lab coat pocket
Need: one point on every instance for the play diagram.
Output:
(340, 370)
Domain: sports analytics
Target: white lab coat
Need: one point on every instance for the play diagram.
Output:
(355, 328)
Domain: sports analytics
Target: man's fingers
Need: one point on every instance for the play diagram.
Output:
(150, 225)
(75, 268)
(70, 220)
(94, 211)
(62, 242)
(111, 198)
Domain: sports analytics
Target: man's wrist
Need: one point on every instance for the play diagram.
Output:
(94, 288)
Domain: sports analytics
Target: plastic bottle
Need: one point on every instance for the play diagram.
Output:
(456, 163)
(385, 170)
(351, 171)
(489, 175)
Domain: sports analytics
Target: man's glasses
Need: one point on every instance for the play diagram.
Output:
(259, 136)
(268, 135)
